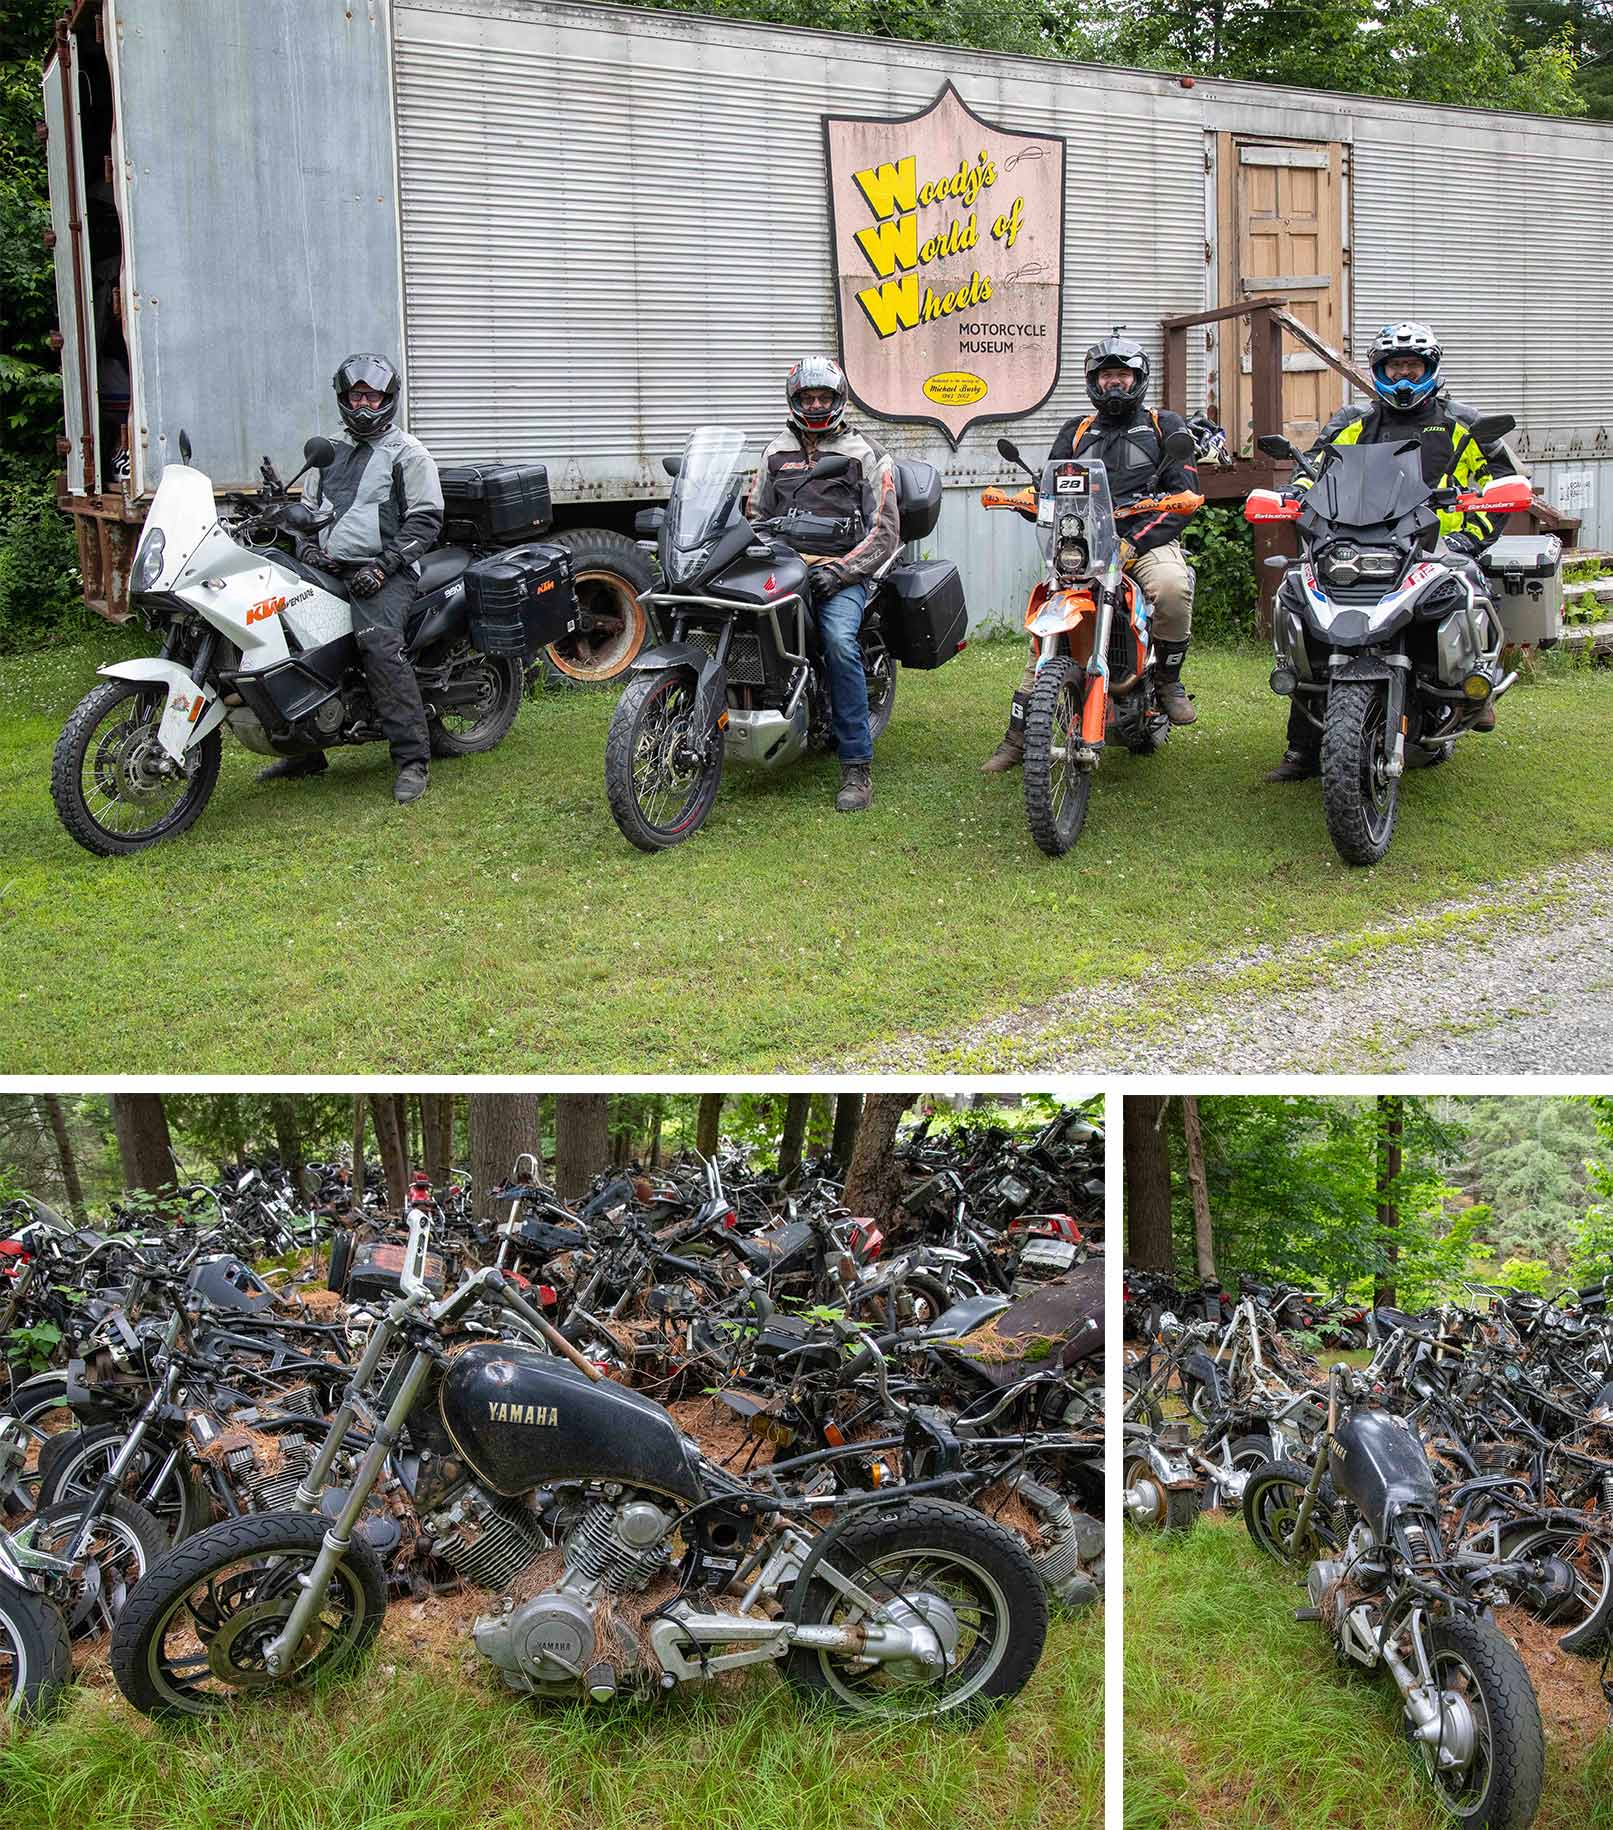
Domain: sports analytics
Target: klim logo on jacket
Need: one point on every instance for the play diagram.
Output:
(524, 1413)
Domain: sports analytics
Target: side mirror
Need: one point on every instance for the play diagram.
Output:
(649, 521)
(672, 465)
(1008, 449)
(1275, 445)
(184, 446)
(1493, 426)
(319, 454)
(1180, 446)
(1267, 505)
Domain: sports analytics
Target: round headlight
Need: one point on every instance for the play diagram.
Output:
(148, 561)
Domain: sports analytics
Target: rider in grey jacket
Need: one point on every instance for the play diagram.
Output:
(380, 502)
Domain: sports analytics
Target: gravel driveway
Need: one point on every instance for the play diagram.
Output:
(1461, 988)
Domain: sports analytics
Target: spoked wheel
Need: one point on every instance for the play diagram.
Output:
(1484, 1752)
(491, 684)
(661, 773)
(1584, 1615)
(123, 1544)
(116, 789)
(1056, 788)
(164, 1486)
(608, 572)
(1271, 1502)
(971, 1582)
(36, 1658)
(1151, 1505)
(44, 1414)
(1359, 796)
(193, 1637)
(880, 669)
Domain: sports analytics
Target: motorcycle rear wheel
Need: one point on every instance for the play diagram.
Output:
(36, 1659)
(1056, 791)
(969, 1578)
(1477, 1670)
(471, 730)
(1359, 799)
(190, 1641)
(1169, 1509)
(124, 1543)
(657, 796)
(879, 666)
(1586, 1624)
(104, 775)
(72, 1465)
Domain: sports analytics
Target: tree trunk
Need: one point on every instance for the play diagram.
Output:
(705, 1137)
(848, 1115)
(389, 1141)
(502, 1126)
(1391, 1119)
(144, 1148)
(655, 1137)
(796, 1112)
(874, 1183)
(437, 1130)
(1148, 1184)
(581, 1140)
(358, 1152)
(287, 1122)
(1203, 1236)
(57, 1122)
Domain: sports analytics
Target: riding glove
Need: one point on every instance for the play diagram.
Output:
(367, 580)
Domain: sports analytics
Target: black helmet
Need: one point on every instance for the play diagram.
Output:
(1117, 352)
(367, 372)
(816, 372)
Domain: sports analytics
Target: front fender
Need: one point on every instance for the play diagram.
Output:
(1363, 667)
(711, 679)
(191, 712)
(1058, 612)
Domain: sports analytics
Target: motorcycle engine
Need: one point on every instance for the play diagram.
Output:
(555, 1644)
(1070, 1561)
(488, 1541)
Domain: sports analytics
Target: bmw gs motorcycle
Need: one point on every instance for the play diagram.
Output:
(1091, 625)
(1388, 643)
(741, 676)
(904, 1603)
(1394, 1596)
(249, 639)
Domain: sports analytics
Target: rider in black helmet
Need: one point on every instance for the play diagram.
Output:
(382, 504)
(1130, 440)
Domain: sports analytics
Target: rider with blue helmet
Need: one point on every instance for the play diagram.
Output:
(1405, 359)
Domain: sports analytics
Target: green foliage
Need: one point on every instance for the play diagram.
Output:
(40, 601)
(1531, 1274)
(34, 1346)
(1220, 547)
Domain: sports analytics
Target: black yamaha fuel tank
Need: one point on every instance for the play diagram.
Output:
(523, 1420)
(1380, 1465)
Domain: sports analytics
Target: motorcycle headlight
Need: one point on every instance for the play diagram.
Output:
(1346, 564)
(148, 561)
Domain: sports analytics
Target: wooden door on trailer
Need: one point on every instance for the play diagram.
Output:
(1281, 216)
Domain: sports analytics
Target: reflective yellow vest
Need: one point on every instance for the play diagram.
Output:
(1471, 470)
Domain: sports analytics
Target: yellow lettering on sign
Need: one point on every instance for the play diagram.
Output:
(893, 306)
(890, 188)
(890, 244)
(1006, 228)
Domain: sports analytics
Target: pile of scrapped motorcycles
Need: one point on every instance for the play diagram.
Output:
(692, 1422)
(1446, 1508)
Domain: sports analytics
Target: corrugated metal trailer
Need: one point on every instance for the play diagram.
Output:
(590, 228)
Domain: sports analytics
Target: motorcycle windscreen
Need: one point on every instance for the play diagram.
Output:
(1370, 485)
(705, 493)
(1073, 503)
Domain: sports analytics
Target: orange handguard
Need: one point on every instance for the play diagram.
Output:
(1023, 500)
(1184, 504)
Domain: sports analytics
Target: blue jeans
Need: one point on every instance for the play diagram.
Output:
(839, 619)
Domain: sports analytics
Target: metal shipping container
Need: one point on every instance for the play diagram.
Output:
(589, 228)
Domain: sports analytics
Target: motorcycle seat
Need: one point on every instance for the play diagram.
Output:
(441, 567)
(1390, 1319)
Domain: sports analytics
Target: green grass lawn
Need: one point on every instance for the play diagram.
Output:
(504, 925)
(1237, 1717)
(411, 1745)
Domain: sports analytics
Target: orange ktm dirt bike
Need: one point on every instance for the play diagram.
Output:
(1091, 629)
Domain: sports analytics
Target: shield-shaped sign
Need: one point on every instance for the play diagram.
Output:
(947, 234)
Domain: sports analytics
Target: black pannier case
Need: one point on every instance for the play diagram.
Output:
(497, 500)
(924, 614)
(520, 600)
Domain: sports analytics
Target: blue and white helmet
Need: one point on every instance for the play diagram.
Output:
(1405, 339)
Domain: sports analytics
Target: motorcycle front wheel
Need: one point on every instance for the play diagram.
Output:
(1056, 789)
(164, 1485)
(1488, 1756)
(972, 1581)
(1359, 796)
(1271, 1501)
(467, 730)
(192, 1638)
(661, 774)
(108, 777)
(36, 1658)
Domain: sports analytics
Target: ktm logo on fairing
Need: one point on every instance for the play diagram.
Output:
(271, 606)
(524, 1413)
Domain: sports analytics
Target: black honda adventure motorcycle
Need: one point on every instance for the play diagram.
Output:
(904, 1603)
(1389, 644)
(742, 676)
(1394, 1596)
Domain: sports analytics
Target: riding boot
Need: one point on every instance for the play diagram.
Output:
(1010, 753)
(294, 768)
(1173, 699)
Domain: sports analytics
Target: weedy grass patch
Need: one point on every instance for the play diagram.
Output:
(421, 1740)
(503, 925)
(1238, 1717)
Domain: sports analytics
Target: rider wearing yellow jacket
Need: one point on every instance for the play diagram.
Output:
(1405, 360)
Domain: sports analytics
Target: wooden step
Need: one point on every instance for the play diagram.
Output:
(1597, 638)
